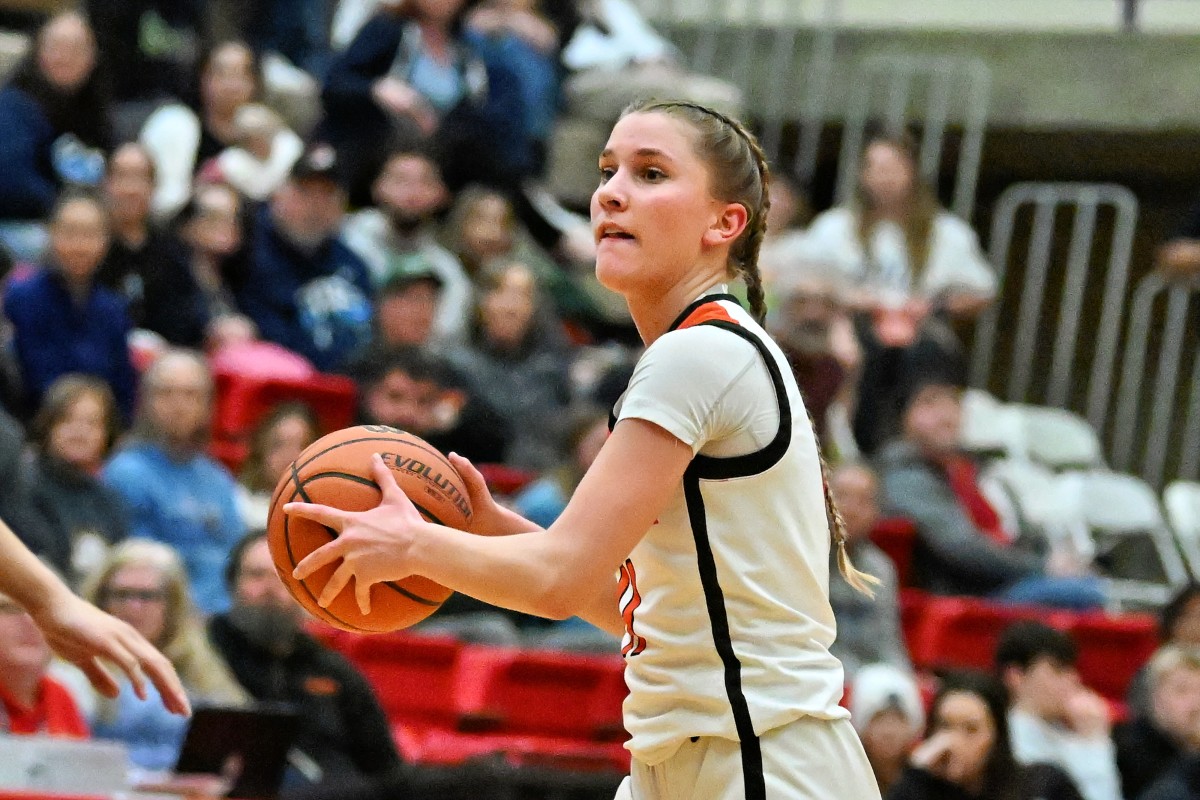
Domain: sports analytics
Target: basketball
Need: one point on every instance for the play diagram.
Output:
(336, 471)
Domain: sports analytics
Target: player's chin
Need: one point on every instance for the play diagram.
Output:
(615, 273)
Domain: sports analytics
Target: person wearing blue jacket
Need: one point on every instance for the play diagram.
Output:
(411, 74)
(54, 127)
(174, 491)
(63, 320)
(306, 290)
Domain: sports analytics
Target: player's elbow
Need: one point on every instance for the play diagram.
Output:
(557, 601)
(563, 594)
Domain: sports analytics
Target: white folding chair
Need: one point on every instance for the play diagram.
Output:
(1028, 497)
(1132, 541)
(1057, 438)
(990, 427)
(1182, 501)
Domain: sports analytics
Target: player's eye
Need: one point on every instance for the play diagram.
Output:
(653, 174)
(606, 174)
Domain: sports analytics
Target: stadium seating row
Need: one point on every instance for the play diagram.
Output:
(449, 702)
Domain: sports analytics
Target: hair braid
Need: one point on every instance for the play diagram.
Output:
(859, 580)
(747, 258)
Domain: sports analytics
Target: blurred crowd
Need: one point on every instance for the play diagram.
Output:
(396, 191)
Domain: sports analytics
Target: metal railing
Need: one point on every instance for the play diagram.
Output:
(902, 78)
(1048, 199)
(1144, 443)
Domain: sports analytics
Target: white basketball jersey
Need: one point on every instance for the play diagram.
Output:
(726, 598)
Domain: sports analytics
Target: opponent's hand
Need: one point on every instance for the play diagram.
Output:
(373, 545)
(90, 639)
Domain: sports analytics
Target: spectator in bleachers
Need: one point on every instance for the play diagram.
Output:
(406, 307)
(306, 290)
(72, 434)
(962, 544)
(407, 194)
(1053, 718)
(295, 30)
(17, 507)
(889, 715)
(966, 754)
(32, 702)
(815, 333)
(1154, 741)
(419, 392)
(1179, 256)
(263, 154)
(410, 74)
(912, 268)
(343, 745)
(542, 500)
(868, 629)
(278, 438)
(614, 56)
(611, 56)
(483, 229)
(175, 492)
(516, 33)
(517, 357)
(146, 266)
(63, 319)
(144, 583)
(784, 250)
(181, 138)
(211, 229)
(54, 130)
(1179, 624)
(150, 44)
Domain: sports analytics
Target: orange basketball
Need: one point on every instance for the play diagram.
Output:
(336, 471)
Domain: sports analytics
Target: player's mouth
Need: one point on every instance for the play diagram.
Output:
(609, 231)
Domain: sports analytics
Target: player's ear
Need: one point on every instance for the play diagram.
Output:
(727, 225)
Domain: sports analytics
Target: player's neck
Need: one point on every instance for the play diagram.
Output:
(655, 310)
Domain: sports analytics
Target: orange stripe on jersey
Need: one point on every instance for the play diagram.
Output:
(709, 312)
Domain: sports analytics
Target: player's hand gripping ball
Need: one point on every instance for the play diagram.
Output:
(336, 471)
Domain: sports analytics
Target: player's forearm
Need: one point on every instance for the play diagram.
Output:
(23, 577)
(534, 572)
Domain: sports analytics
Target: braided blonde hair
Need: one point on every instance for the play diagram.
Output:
(740, 174)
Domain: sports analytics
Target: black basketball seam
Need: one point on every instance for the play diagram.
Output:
(416, 442)
(416, 598)
(329, 615)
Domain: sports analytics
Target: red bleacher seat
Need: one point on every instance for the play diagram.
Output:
(912, 610)
(896, 536)
(244, 398)
(503, 479)
(962, 632)
(1112, 649)
(545, 692)
(416, 679)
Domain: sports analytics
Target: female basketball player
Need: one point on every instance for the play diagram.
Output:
(706, 500)
(82, 633)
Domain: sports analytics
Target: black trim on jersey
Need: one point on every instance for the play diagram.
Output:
(714, 598)
(708, 298)
(723, 467)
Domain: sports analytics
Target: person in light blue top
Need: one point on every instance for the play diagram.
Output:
(175, 492)
(144, 583)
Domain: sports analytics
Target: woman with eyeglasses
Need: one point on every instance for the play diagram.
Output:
(144, 584)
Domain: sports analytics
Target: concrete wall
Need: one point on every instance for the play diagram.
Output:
(1076, 70)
